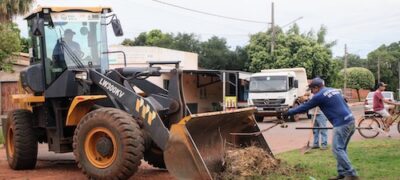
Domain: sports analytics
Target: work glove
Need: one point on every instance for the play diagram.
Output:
(284, 115)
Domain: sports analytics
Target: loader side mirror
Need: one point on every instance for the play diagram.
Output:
(37, 28)
(296, 83)
(116, 25)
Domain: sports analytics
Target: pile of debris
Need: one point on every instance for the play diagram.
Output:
(247, 162)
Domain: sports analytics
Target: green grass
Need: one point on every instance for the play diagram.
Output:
(373, 159)
(1, 136)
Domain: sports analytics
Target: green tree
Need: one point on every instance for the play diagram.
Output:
(321, 37)
(159, 39)
(152, 38)
(293, 49)
(186, 42)
(12, 8)
(25, 44)
(353, 60)
(357, 78)
(239, 60)
(128, 42)
(389, 57)
(9, 44)
(138, 41)
(213, 53)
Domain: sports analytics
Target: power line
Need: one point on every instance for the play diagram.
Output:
(195, 33)
(363, 22)
(291, 22)
(211, 14)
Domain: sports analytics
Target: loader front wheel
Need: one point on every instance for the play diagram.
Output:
(20, 141)
(108, 144)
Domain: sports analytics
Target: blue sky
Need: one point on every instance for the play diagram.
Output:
(363, 25)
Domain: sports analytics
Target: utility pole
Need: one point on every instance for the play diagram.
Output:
(345, 69)
(273, 28)
(398, 71)
(379, 69)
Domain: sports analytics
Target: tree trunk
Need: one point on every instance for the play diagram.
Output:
(358, 95)
(5, 19)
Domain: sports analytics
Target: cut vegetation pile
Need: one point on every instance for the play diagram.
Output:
(251, 162)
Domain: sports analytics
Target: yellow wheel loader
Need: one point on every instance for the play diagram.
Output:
(73, 102)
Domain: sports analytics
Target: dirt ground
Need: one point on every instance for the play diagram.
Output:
(54, 166)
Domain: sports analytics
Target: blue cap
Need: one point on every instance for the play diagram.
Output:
(316, 82)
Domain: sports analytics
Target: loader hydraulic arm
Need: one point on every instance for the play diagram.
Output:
(135, 105)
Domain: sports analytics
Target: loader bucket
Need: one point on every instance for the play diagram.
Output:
(197, 143)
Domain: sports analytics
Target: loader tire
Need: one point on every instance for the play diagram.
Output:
(20, 140)
(155, 157)
(108, 144)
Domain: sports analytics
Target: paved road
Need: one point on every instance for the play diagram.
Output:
(285, 139)
(54, 166)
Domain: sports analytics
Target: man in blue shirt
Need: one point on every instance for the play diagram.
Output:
(333, 105)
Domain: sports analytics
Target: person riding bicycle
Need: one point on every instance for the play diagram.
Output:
(379, 108)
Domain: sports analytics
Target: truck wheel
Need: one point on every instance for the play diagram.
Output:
(108, 144)
(259, 118)
(155, 157)
(20, 140)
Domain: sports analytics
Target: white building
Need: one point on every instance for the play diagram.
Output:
(138, 56)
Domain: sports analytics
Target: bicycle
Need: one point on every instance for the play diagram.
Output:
(371, 125)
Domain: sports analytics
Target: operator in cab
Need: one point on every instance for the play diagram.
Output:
(66, 45)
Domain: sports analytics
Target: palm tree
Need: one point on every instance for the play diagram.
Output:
(11, 8)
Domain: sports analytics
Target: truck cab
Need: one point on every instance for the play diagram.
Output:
(273, 90)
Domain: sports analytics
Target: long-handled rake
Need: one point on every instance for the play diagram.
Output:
(307, 147)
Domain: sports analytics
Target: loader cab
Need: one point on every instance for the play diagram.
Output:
(66, 39)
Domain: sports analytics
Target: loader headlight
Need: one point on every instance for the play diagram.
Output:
(81, 75)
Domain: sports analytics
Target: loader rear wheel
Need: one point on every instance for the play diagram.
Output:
(21, 141)
(108, 144)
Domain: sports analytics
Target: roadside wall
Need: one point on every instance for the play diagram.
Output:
(351, 94)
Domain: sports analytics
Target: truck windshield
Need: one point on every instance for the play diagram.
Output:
(268, 84)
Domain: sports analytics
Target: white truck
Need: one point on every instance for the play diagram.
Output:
(273, 90)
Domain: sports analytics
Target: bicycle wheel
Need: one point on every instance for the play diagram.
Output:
(368, 127)
(398, 127)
